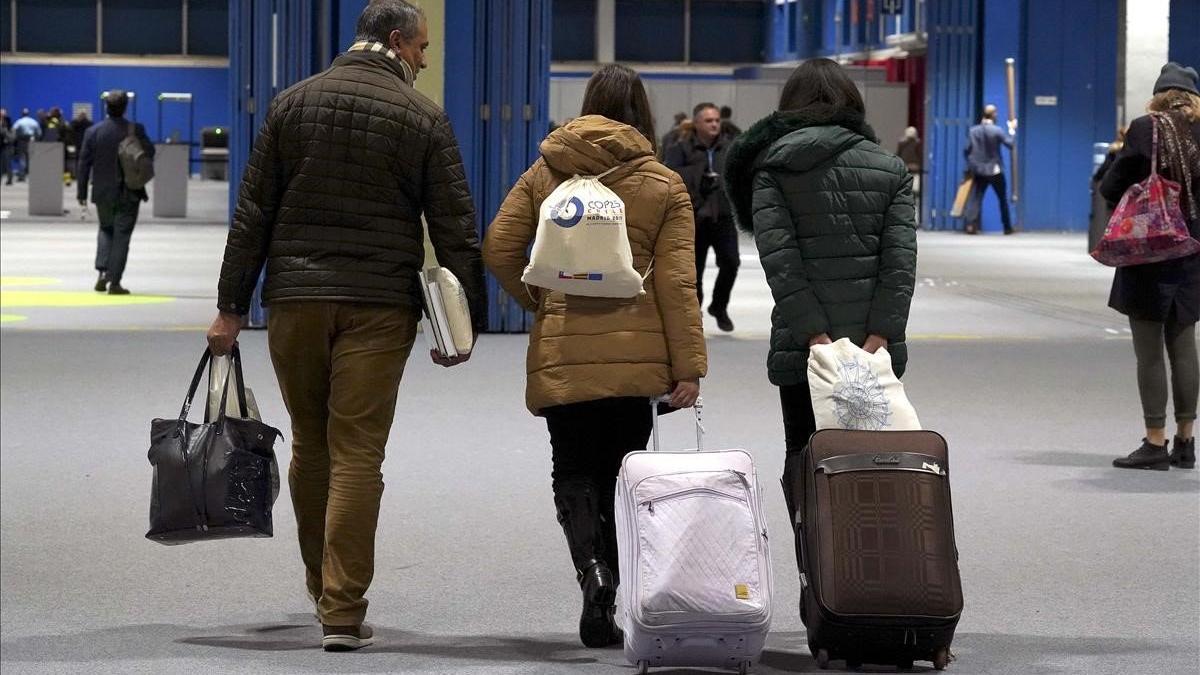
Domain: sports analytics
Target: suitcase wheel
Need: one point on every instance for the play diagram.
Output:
(822, 657)
(643, 667)
(941, 658)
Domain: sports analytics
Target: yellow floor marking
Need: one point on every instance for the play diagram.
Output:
(7, 282)
(10, 299)
(10, 318)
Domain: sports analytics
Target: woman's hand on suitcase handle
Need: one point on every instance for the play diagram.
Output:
(685, 393)
(874, 343)
(223, 333)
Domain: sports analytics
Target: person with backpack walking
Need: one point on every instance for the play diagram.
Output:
(117, 158)
(594, 362)
(832, 214)
(1162, 300)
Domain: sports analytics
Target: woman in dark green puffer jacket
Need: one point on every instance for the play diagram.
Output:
(832, 214)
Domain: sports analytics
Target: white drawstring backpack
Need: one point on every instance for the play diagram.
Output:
(582, 243)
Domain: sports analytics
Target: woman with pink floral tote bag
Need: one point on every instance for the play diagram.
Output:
(1161, 296)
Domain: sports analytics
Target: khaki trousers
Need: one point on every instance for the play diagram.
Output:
(339, 367)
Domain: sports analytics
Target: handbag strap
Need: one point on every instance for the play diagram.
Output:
(1154, 145)
(236, 357)
(205, 359)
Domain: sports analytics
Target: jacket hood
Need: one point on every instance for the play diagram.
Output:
(796, 140)
(592, 144)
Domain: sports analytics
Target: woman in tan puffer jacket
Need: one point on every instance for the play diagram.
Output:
(594, 362)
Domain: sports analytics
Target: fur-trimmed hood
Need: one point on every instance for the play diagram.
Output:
(796, 140)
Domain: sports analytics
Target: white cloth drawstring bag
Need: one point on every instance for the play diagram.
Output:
(582, 243)
(852, 389)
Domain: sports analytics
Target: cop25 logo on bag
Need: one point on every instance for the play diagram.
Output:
(568, 213)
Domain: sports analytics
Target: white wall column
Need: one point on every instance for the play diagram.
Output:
(606, 30)
(1146, 29)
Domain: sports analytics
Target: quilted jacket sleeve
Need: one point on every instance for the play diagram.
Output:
(675, 286)
(779, 251)
(249, 238)
(505, 249)
(450, 216)
(897, 266)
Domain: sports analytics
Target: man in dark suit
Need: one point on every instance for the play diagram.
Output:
(116, 205)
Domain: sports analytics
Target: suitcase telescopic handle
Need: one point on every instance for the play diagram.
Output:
(698, 409)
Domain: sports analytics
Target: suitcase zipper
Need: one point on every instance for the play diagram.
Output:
(649, 503)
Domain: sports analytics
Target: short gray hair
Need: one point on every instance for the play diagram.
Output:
(381, 17)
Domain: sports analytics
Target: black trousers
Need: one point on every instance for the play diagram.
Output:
(799, 423)
(722, 238)
(979, 188)
(588, 440)
(117, 219)
(6, 163)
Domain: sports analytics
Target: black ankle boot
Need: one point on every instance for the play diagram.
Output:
(1149, 456)
(1183, 453)
(101, 283)
(579, 513)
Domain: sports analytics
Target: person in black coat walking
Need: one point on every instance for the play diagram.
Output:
(1162, 300)
(699, 158)
(116, 205)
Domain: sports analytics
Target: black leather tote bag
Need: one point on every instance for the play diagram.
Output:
(214, 480)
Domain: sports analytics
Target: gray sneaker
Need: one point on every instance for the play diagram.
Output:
(346, 638)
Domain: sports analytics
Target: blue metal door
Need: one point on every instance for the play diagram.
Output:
(513, 66)
(272, 45)
(952, 99)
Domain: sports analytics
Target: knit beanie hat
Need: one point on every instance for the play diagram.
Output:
(1175, 76)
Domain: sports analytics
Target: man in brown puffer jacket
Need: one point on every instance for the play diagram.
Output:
(342, 171)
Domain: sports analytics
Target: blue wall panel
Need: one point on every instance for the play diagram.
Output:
(953, 100)
(1185, 32)
(1001, 38)
(1056, 140)
(42, 86)
(497, 98)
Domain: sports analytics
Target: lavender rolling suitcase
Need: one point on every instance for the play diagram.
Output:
(694, 561)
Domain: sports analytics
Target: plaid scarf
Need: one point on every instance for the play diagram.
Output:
(380, 48)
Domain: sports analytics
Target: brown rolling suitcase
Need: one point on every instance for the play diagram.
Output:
(875, 545)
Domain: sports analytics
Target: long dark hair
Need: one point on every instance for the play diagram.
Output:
(820, 81)
(616, 92)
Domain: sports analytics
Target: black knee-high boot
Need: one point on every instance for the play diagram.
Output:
(579, 513)
(608, 529)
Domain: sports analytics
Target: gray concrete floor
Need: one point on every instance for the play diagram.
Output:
(1069, 566)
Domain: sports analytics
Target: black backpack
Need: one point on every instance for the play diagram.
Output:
(137, 167)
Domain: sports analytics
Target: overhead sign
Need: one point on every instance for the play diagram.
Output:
(893, 7)
(1045, 100)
